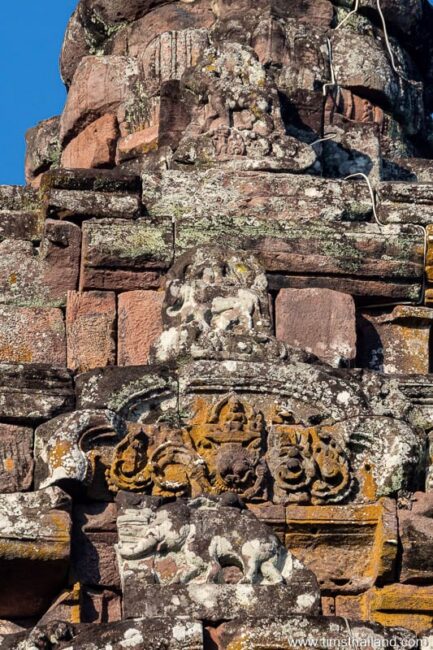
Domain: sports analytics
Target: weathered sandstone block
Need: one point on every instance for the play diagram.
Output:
(90, 322)
(395, 342)
(348, 548)
(318, 321)
(21, 225)
(75, 46)
(406, 202)
(361, 62)
(94, 535)
(133, 392)
(31, 279)
(16, 458)
(32, 335)
(42, 149)
(416, 533)
(139, 325)
(78, 195)
(136, 37)
(255, 195)
(284, 633)
(30, 393)
(95, 146)
(123, 255)
(404, 605)
(34, 550)
(65, 607)
(100, 86)
(138, 634)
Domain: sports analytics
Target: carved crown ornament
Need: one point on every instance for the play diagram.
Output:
(229, 447)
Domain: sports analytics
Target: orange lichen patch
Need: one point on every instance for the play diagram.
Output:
(9, 464)
(130, 468)
(46, 550)
(228, 436)
(66, 607)
(307, 463)
(15, 353)
(59, 452)
(242, 643)
(404, 335)
(46, 538)
(368, 485)
(347, 547)
(12, 278)
(395, 605)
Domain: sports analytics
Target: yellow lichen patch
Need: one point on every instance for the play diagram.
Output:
(76, 608)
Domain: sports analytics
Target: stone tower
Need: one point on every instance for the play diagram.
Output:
(216, 406)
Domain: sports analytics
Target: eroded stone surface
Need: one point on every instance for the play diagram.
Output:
(32, 335)
(33, 392)
(139, 325)
(90, 324)
(35, 546)
(181, 112)
(318, 321)
(16, 458)
(73, 448)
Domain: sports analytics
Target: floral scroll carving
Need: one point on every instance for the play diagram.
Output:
(228, 447)
(307, 465)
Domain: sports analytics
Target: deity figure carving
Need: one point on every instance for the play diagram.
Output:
(230, 439)
(216, 306)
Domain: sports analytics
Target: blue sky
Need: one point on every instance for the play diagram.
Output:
(31, 34)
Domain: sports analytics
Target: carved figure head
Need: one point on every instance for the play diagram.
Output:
(229, 438)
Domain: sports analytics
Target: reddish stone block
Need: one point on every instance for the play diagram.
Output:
(320, 321)
(42, 148)
(90, 321)
(140, 324)
(31, 279)
(95, 146)
(93, 553)
(101, 606)
(100, 86)
(60, 255)
(396, 341)
(16, 458)
(416, 534)
(32, 335)
(119, 254)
